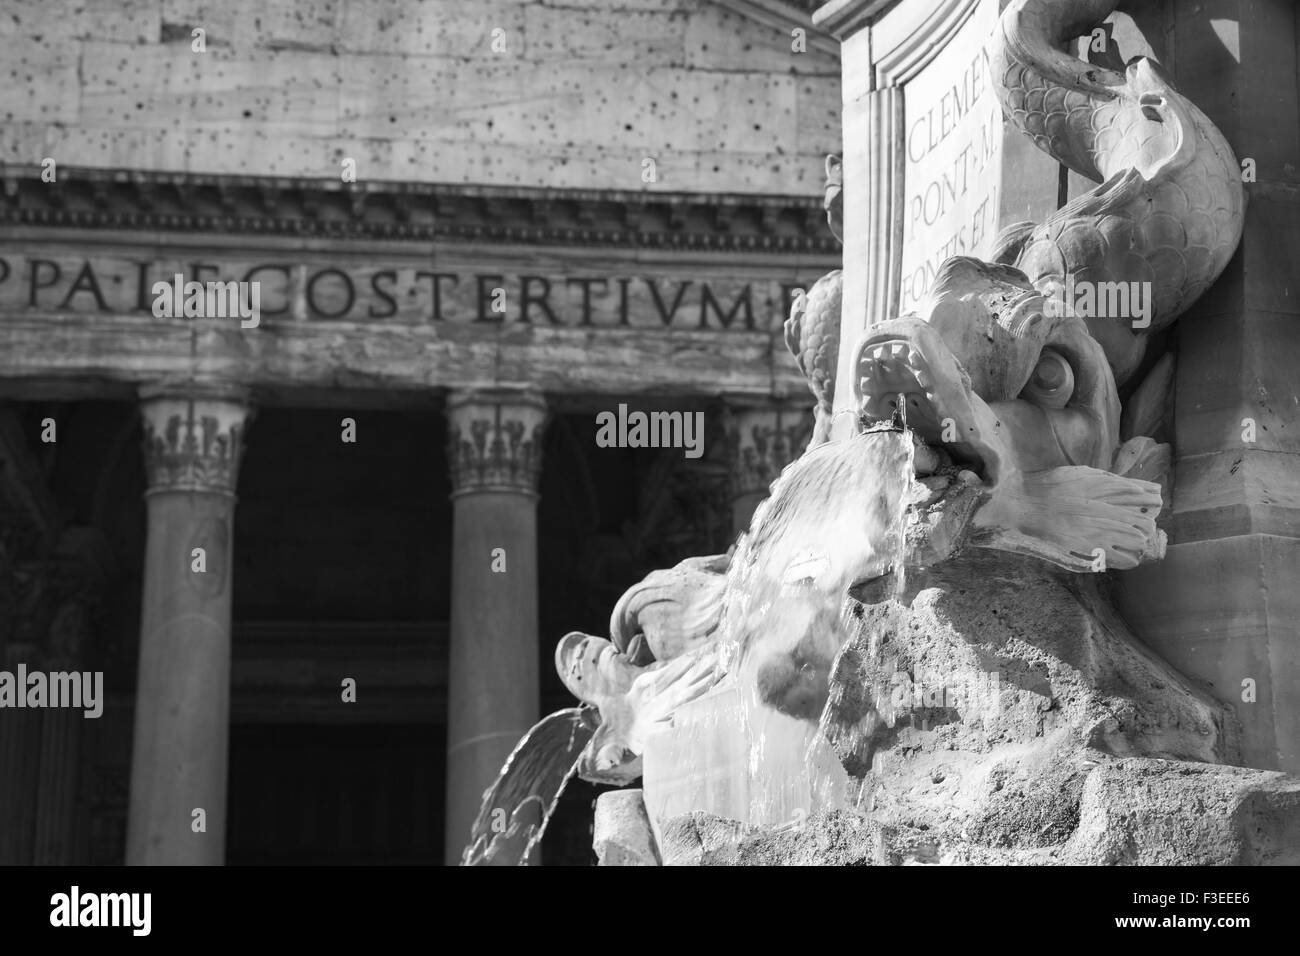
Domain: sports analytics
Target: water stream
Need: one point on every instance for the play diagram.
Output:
(753, 749)
(834, 518)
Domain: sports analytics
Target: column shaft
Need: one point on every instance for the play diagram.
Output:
(56, 815)
(493, 693)
(20, 743)
(182, 705)
(495, 456)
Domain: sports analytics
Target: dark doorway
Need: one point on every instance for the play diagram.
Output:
(342, 573)
(335, 795)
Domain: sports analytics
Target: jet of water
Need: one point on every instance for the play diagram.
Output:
(834, 518)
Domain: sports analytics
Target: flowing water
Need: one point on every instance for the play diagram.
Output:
(752, 750)
(518, 805)
(834, 518)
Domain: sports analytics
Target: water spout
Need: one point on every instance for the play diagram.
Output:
(834, 519)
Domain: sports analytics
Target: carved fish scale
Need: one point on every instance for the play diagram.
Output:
(1169, 208)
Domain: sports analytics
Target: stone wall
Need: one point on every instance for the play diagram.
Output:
(577, 93)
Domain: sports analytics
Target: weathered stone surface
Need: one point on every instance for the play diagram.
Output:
(1160, 812)
(194, 433)
(1019, 651)
(834, 839)
(622, 834)
(981, 377)
(812, 334)
(500, 92)
(495, 438)
(991, 160)
(1222, 606)
(1131, 812)
(1083, 749)
(338, 357)
(1230, 602)
(699, 839)
(1149, 409)
(839, 838)
(975, 708)
(1087, 747)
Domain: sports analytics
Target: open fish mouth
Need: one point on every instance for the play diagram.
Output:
(1014, 417)
(896, 385)
(905, 377)
(991, 384)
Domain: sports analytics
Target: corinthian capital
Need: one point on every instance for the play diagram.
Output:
(494, 439)
(193, 436)
(762, 439)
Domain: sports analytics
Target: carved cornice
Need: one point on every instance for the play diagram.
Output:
(784, 15)
(494, 441)
(193, 437)
(840, 18)
(762, 440)
(193, 202)
(911, 48)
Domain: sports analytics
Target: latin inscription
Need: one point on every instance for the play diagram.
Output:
(406, 294)
(953, 137)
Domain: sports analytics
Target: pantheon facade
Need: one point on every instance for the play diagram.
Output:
(321, 560)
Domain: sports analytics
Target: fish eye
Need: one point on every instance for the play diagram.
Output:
(1052, 382)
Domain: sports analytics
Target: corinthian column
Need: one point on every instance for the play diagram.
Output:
(20, 743)
(193, 440)
(762, 438)
(57, 819)
(495, 455)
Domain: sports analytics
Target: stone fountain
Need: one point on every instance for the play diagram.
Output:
(916, 653)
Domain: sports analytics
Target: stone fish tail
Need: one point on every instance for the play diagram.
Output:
(1169, 210)
(1048, 94)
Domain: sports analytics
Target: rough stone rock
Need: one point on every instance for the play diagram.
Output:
(1135, 811)
(837, 838)
(1087, 749)
(700, 839)
(1152, 812)
(833, 839)
(621, 832)
(994, 654)
(982, 698)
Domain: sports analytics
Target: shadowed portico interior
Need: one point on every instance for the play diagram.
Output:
(342, 559)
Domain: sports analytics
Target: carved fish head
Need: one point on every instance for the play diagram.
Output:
(1018, 414)
(632, 700)
(594, 671)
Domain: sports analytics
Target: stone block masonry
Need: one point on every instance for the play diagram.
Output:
(572, 95)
